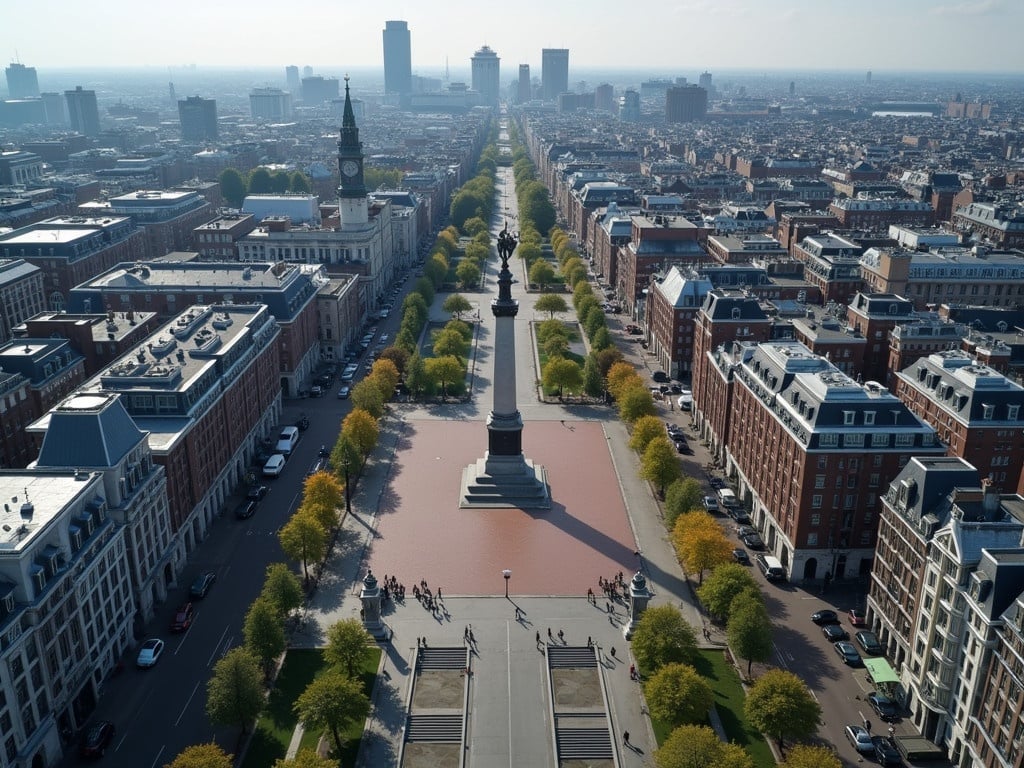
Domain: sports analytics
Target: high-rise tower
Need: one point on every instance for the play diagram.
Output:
(22, 82)
(487, 75)
(524, 92)
(352, 192)
(554, 72)
(397, 58)
(83, 112)
(198, 117)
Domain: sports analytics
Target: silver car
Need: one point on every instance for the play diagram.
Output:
(860, 739)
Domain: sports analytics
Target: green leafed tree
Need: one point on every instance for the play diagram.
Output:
(697, 746)
(306, 758)
(416, 378)
(303, 539)
(542, 274)
(299, 183)
(811, 756)
(645, 429)
(551, 303)
(444, 371)
(282, 589)
(636, 401)
(780, 705)
(456, 305)
(660, 464)
(279, 182)
(232, 186)
(468, 274)
(563, 375)
(556, 346)
(474, 226)
(362, 430)
(260, 182)
(348, 643)
(332, 702)
(663, 636)
(593, 381)
(677, 695)
(234, 693)
(606, 358)
(750, 631)
(264, 632)
(202, 756)
(449, 342)
(367, 396)
(682, 496)
(600, 338)
(723, 584)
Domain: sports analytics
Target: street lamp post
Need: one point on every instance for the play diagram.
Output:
(348, 491)
(508, 575)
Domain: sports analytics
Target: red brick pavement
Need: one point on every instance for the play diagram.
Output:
(423, 534)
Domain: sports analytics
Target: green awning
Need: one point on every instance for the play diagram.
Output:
(880, 671)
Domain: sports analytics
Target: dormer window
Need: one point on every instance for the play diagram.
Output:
(736, 313)
(987, 411)
(848, 417)
(869, 418)
(1012, 412)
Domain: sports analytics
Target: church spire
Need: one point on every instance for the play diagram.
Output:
(352, 192)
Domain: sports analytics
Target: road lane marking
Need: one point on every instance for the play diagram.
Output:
(782, 656)
(187, 702)
(156, 759)
(508, 682)
(217, 646)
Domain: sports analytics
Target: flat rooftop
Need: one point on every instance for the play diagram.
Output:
(47, 492)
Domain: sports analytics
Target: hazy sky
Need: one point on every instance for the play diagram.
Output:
(683, 36)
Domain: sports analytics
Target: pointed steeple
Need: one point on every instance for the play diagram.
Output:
(352, 192)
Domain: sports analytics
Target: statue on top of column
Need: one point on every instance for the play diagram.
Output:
(506, 245)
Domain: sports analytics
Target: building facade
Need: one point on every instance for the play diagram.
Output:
(554, 72)
(486, 74)
(198, 118)
(397, 58)
(22, 294)
(83, 113)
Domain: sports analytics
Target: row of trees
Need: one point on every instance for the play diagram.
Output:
(260, 181)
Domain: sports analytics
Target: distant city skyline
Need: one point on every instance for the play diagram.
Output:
(688, 35)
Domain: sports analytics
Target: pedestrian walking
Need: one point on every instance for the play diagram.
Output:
(538, 637)
(417, 641)
(590, 641)
(867, 725)
(465, 634)
(549, 634)
(632, 671)
(613, 651)
(625, 738)
(439, 594)
(472, 639)
(561, 636)
(590, 595)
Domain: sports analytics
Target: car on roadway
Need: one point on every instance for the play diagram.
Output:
(741, 556)
(825, 616)
(834, 632)
(256, 492)
(149, 653)
(860, 739)
(884, 707)
(744, 530)
(847, 651)
(753, 541)
(344, 392)
(685, 400)
(857, 617)
(710, 504)
(183, 617)
(246, 509)
(680, 444)
(869, 642)
(201, 585)
(97, 739)
(885, 752)
(274, 466)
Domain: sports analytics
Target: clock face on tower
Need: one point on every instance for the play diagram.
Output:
(350, 168)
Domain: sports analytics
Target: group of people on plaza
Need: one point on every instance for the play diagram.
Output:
(430, 601)
(392, 589)
(611, 588)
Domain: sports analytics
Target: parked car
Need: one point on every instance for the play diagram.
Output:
(256, 492)
(97, 739)
(825, 616)
(182, 618)
(741, 556)
(859, 738)
(834, 632)
(202, 584)
(316, 391)
(149, 653)
(739, 514)
(681, 446)
(744, 530)
(885, 752)
(287, 440)
(847, 651)
(710, 504)
(856, 617)
(753, 541)
(246, 509)
(685, 401)
(869, 642)
(884, 707)
(659, 376)
(344, 392)
(274, 466)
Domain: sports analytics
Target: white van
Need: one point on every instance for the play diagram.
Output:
(287, 441)
(771, 567)
(727, 498)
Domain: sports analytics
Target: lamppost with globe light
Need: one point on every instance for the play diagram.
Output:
(508, 575)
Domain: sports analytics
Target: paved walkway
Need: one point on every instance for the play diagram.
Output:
(508, 718)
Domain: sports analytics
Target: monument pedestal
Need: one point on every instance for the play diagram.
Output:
(504, 482)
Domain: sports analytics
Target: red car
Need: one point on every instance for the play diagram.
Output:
(182, 618)
(856, 617)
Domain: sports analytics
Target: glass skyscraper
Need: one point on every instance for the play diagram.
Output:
(397, 58)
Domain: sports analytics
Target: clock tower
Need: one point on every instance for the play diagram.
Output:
(352, 197)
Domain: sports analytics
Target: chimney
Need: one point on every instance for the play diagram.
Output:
(990, 500)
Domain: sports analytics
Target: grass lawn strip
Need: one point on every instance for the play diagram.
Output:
(729, 699)
(276, 725)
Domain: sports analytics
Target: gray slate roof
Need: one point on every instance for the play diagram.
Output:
(89, 431)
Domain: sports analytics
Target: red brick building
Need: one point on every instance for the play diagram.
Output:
(856, 213)
(17, 411)
(875, 315)
(672, 306)
(656, 243)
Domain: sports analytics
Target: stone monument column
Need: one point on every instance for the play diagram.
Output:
(504, 477)
(639, 597)
(370, 597)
